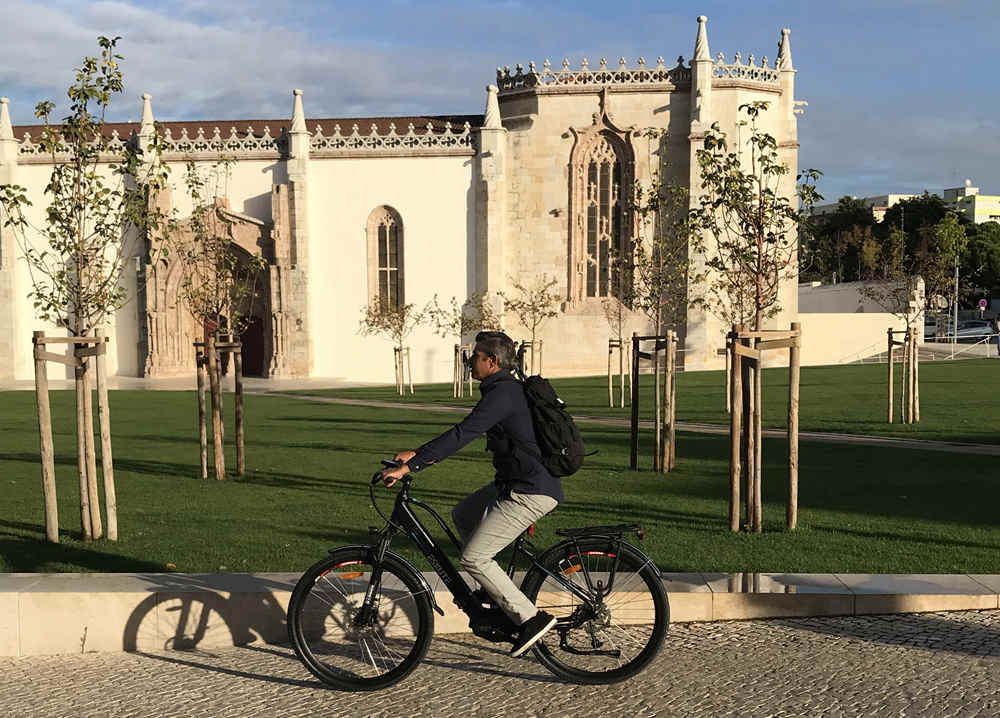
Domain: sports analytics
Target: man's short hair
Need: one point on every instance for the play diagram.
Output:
(497, 345)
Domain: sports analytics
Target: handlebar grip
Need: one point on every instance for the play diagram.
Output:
(391, 463)
(376, 478)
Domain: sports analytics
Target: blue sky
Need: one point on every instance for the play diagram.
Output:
(902, 93)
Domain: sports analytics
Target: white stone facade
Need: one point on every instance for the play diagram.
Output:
(483, 200)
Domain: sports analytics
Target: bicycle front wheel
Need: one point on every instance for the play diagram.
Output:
(347, 647)
(612, 634)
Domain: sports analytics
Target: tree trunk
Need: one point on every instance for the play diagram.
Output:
(213, 380)
(81, 456)
(241, 461)
(735, 432)
(201, 360)
(45, 442)
(792, 508)
(104, 415)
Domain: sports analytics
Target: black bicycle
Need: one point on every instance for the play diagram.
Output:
(361, 619)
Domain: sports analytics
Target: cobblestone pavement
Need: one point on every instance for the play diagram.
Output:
(927, 665)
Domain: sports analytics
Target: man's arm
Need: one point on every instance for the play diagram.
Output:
(491, 410)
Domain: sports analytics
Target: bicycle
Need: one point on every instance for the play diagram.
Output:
(361, 619)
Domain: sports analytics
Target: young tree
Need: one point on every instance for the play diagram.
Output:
(218, 286)
(381, 318)
(751, 219)
(659, 272)
(533, 305)
(97, 210)
(459, 321)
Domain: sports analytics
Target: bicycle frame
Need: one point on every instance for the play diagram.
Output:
(404, 520)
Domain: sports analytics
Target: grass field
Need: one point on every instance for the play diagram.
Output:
(861, 509)
(960, 400)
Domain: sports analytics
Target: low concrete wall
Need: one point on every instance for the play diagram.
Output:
(43, 614)
(833, 338)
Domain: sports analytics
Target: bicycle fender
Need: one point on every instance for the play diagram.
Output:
(420, 577)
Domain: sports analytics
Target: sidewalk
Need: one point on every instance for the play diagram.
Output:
(45, 614)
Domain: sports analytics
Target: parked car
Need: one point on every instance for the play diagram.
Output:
(974, 330)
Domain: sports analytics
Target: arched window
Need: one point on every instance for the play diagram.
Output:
(602, 225)
(606, 242)
(385, 256)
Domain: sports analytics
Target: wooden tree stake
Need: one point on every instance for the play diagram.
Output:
(735, 432)
(238, 378)
(672, 374)
(45, 441)
(104, 418)
(634, 423)
(201, 360)
(792, 507)
(892, 388)
(213, 379)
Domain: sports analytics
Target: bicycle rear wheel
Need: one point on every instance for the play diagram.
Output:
(346, 649)
(610, 636)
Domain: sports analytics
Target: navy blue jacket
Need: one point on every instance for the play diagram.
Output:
(502, 414)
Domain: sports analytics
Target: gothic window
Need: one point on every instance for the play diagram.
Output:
(602, 223)
(606, 242)
(385, 256)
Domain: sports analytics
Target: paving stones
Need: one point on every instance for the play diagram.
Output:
(928, 665)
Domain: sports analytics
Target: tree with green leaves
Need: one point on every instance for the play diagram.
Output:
(533, 305)
(97, 211)
(750, 220)
(748, 217)
(394, 322)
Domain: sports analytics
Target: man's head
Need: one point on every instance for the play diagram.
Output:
(494, 351)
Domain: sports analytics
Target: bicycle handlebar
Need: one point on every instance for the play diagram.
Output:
(389, 464)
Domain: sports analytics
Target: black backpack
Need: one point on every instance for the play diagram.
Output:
(559, 440)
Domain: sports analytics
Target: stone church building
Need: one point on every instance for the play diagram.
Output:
(406, 208)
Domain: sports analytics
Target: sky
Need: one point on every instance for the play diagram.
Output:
(902, 93)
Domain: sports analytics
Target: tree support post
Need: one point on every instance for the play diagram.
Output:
(747, 438)
(634, 447)
(611, 394)
(672, 371)
(241, 460)
(916, 378)
(104, 417)
(45, 440)
(213, 379)
(892, 388)
(735, 432)
(201, 360)
(792, 508)
(758, 380)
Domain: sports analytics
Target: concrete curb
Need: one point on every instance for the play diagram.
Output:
(45, 614)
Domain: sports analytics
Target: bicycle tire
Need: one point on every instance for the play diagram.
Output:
(632, 619)
(338, 651)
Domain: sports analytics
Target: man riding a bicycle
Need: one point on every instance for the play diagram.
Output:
(522, 491)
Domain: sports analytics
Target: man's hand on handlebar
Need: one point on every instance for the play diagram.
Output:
(392, 474)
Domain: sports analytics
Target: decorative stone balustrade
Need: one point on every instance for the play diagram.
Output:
(429, 140)
(738, 70)
(113, 145)
(235, 144)
(641, 74)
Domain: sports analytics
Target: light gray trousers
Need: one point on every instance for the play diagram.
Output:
(487, 524)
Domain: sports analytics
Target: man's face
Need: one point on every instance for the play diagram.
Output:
(481, 366)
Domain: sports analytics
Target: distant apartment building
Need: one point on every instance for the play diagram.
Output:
(966, 200)
(977, 208)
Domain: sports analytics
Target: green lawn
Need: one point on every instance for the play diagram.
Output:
(861, 509)
(960, 400)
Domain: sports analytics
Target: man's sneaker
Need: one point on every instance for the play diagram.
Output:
(531, 630)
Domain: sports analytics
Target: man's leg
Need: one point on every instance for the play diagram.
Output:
(469, 512)
(504, 521)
